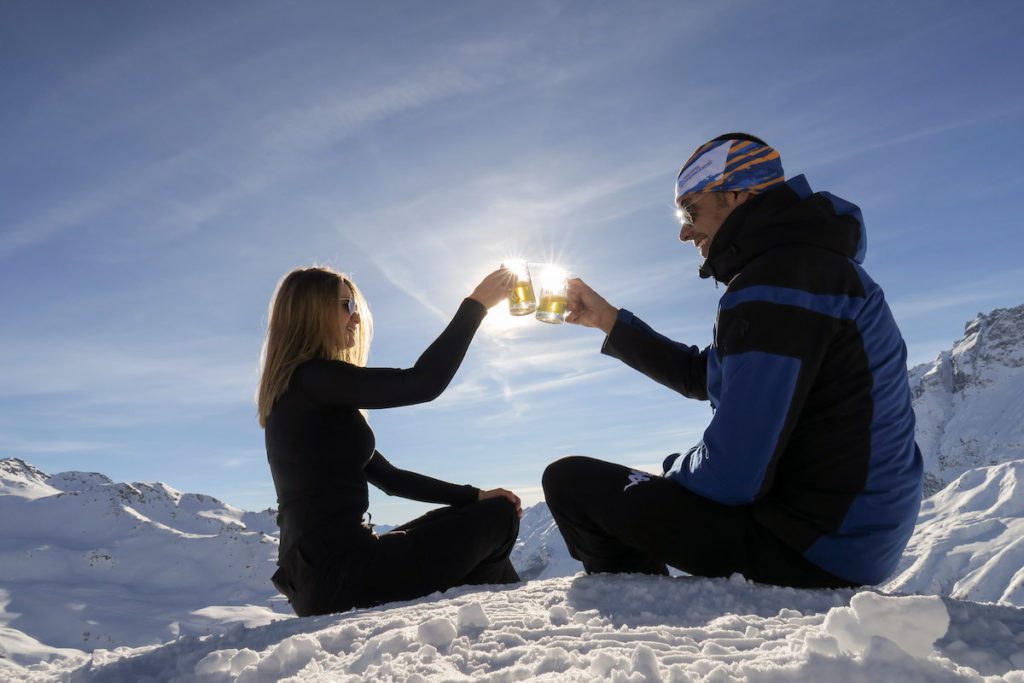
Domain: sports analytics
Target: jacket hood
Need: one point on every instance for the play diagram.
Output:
(788, 214)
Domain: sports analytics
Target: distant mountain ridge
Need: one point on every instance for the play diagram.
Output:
(969, 401)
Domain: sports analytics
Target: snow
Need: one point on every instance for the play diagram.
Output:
(471, 617)
(540, 551)
(439, 632)
(608, 627)
(969, 539)
(88, 562)
(109, 581)
(912, 624)
(93, 620)
(969, 402)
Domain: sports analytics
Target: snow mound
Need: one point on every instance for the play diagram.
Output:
(969, 539)
(439, 632)
(472, 616)
(911, 623)
(616, 627)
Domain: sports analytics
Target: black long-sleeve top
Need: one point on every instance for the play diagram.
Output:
(322, 452)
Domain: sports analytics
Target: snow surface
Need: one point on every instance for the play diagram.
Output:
(969, 539)
(102, 581)
(603, 627)
(570, 627)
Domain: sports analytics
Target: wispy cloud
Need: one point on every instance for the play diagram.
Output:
(56, 447)
(1003, 287)
(294, 135)
(123, 384)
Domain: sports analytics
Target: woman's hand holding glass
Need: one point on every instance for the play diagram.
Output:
(494, 288)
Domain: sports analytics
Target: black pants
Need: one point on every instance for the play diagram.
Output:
(615, 519)
(444, 548)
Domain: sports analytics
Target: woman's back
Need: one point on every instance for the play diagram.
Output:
(317, 454)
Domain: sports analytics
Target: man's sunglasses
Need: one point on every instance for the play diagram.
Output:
(687, 214)
(350, 305)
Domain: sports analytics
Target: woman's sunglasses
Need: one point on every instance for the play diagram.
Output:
(350, 305)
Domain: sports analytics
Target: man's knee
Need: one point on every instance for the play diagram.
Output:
(562, 476)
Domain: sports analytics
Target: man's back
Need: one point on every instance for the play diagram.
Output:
(808, 377)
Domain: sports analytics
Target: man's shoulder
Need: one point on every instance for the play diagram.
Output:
(805, 267)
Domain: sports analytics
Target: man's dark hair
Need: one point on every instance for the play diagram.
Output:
(740, 136)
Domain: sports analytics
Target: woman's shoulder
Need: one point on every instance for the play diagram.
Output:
(322, 365)
(320, 369)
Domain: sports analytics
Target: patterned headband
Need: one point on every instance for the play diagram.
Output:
(730, 165)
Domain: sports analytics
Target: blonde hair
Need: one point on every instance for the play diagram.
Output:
(304, 324)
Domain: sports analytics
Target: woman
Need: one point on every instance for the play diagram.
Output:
(314, 391)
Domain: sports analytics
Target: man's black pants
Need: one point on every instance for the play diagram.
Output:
(615, 519)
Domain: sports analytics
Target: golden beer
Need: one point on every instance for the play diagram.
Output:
(552, 308)
(521, 300)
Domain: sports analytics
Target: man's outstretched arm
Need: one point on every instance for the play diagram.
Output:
(677, 366)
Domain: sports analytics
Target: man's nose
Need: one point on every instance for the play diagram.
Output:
(686, 233)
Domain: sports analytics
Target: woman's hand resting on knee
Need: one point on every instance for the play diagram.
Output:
(507, 495)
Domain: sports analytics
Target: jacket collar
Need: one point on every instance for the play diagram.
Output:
(788, 214)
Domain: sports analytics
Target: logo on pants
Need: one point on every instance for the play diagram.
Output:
(635, 477)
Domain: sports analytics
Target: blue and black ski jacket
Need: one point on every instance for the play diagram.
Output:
(807, 376)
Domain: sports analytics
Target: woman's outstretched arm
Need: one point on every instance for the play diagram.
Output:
(340, 384)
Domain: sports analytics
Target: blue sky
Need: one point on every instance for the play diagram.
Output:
(165, 163)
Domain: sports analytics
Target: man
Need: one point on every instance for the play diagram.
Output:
(808, 474)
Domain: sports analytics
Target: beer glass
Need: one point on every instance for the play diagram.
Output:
(521, 300)
(554, 283)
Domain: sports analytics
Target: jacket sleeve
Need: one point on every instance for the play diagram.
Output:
(340, 384)
(679, 367)
(406, 484)
(764, 362)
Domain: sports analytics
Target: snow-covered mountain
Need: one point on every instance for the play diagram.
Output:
(86, 562)
(969, 402)
(540, 551)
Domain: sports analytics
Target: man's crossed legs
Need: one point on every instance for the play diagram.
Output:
(615, 519)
